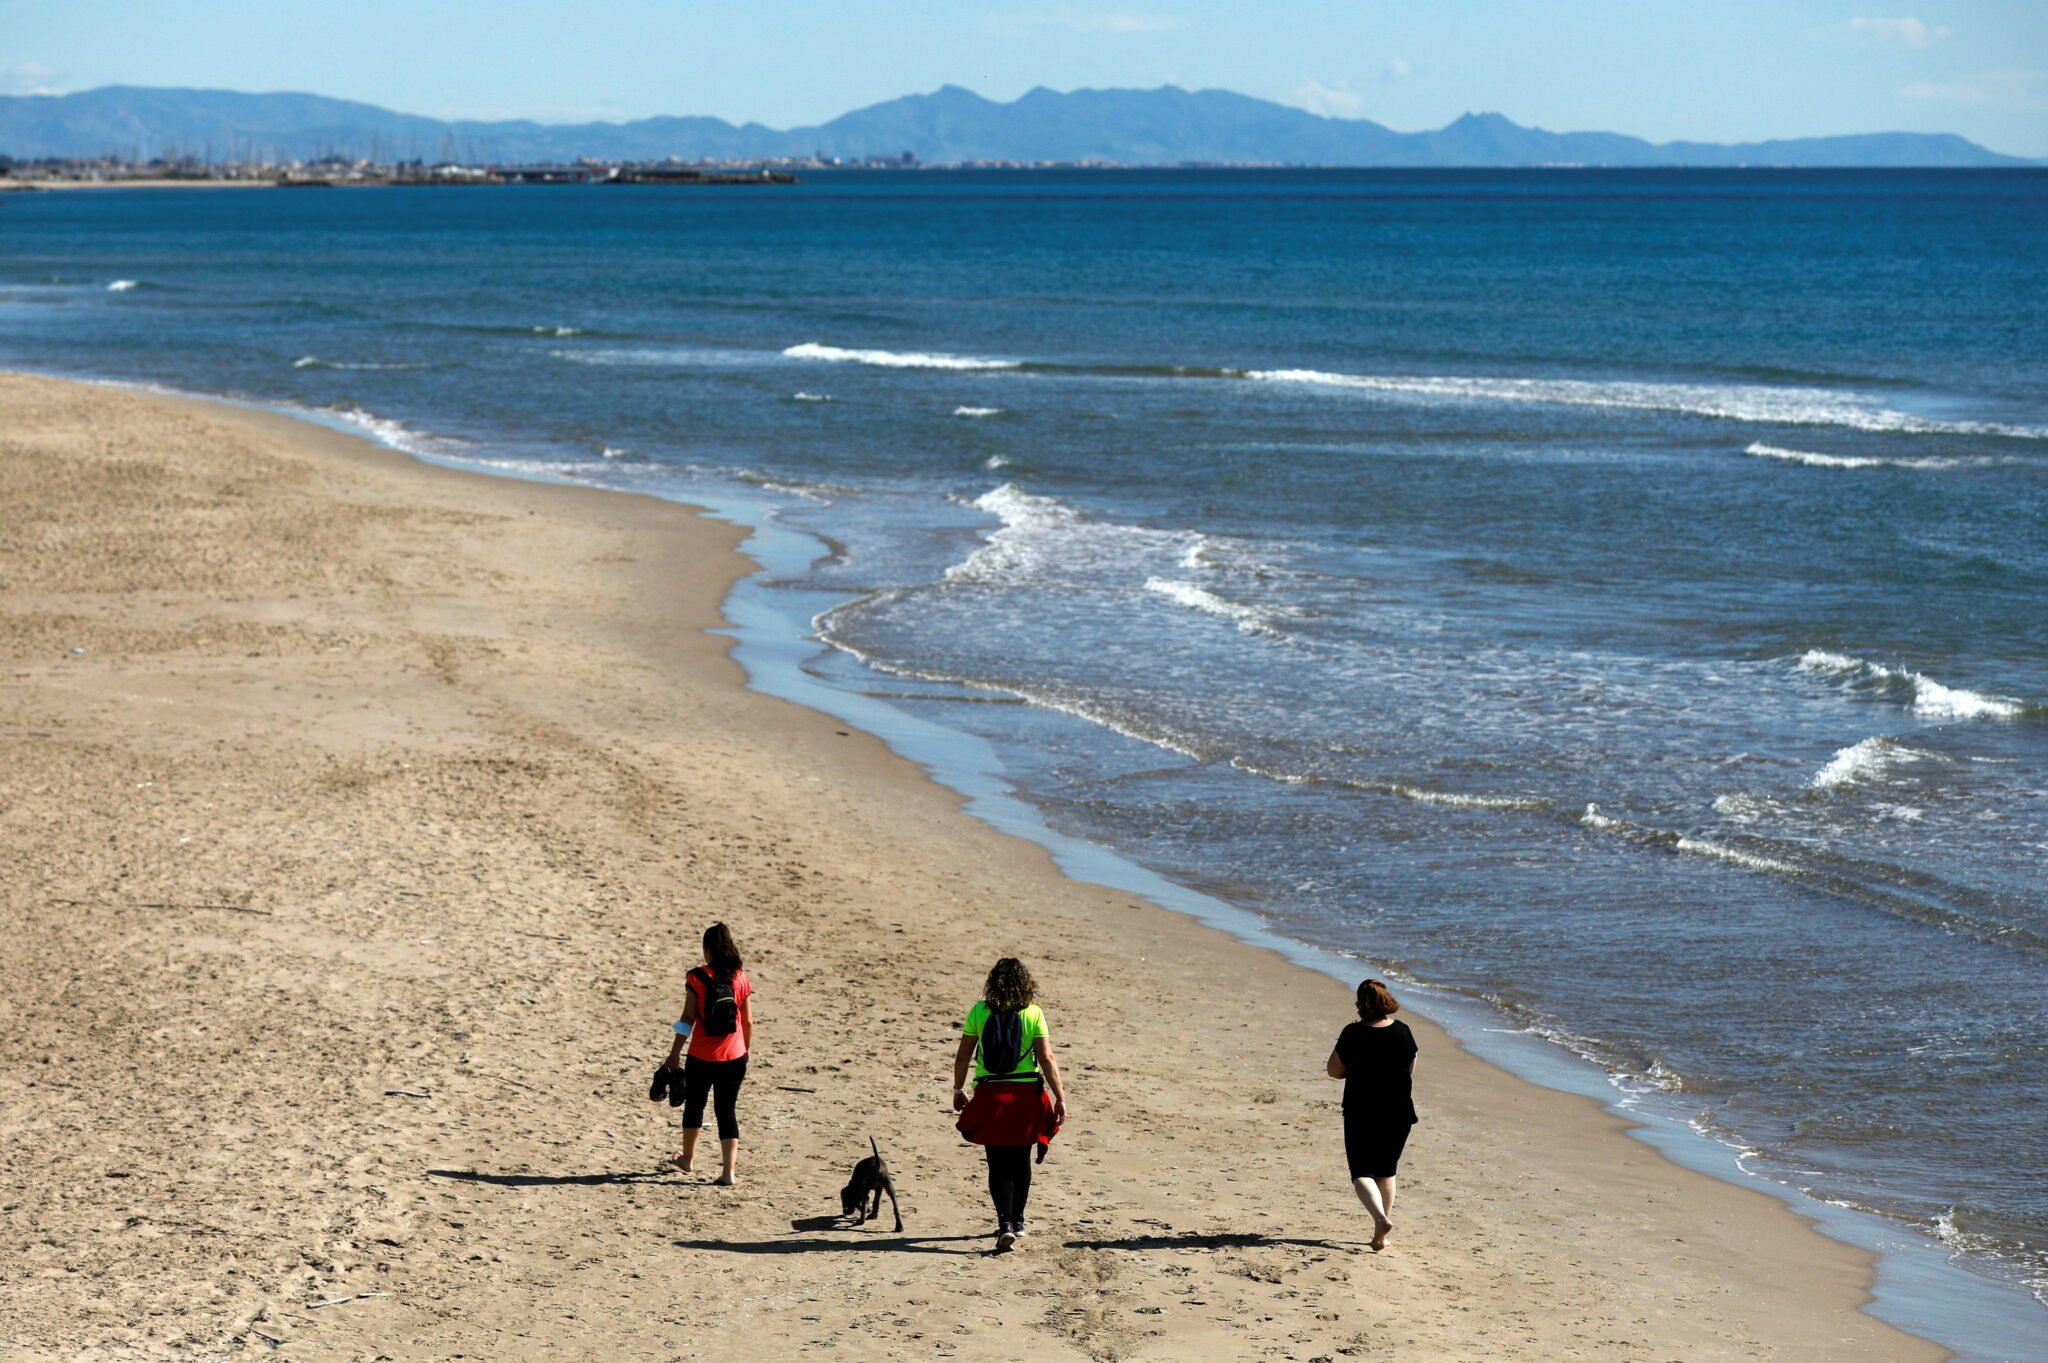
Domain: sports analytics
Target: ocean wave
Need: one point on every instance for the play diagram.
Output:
(1857, 461)
(891, 359)
(1867, 763)
(977, 411)
(1248, 619)
(392, 433)
(1041, 539)
(557, 331)
(1752, 403)
(812, 397)
(124, 285)
(616, 452)
(1927, 696)
(658, 357)
(315, 362)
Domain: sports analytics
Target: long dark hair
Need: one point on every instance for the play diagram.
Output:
(1010, 988)
(721, 951)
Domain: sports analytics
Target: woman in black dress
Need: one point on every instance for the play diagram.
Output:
(1375, 1057)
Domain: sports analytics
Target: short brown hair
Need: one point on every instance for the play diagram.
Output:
(1374, 1002)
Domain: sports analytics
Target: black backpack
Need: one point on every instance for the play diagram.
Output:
(1002, 1043)
(720, 1015)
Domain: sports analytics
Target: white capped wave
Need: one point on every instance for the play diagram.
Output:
(393, 433)
(616, 452)
(996, 463)
(1461, 800)
(811, 397)
(892, 359)
(977, 411)
(658, 357)
(123, 285)
(556, 331)
(1749, 860)
(1928, 696)
(1867, 763)
(315, 362)
(1592, 818)
(1855, 461)
(1041, 539)
(1248, 619)
(1744, 806)
(1729, 402)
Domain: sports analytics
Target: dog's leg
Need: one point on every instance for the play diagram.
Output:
(889, 1185)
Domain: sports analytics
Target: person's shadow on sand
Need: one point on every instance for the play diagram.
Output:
(1212, 1240)
(551, 1180)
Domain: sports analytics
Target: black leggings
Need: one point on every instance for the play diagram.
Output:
(1009, 1180)
(721, 1078)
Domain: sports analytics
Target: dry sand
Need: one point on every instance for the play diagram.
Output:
(327, 779)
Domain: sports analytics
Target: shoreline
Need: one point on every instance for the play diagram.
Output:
(1790, 1288)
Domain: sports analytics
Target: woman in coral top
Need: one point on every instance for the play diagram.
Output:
(718, 1027)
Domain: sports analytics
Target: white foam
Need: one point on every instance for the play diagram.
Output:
(392, 433)
(1866, 763)
(1731, 402)
(616, 452)
(996, 463)
(811, 397)
(1853, 461)
(123, 285)
(1748, 860)
(1930, 698)
(557, 331)
(1248, 619)
(1744, 806)
(891, 359)
(1458, 800)
(315, 362)
(977, 411)
(1594, 819)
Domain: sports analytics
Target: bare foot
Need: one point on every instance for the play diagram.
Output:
(681, 1162)
(1379, 1236)
(726, 1181)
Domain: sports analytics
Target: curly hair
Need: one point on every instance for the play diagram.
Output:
(1010, 986)
(1375, 1002)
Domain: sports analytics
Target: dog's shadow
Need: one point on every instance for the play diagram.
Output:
(861, 1239)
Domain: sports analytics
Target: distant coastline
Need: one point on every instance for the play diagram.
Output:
(951, 126)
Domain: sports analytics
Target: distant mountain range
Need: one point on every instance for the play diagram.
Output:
(1166, 126)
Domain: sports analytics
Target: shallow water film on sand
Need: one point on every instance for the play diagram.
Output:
(1615, 597)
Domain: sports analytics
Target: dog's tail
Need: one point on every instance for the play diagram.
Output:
(876, 1148)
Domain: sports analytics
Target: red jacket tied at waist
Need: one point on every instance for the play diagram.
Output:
(1009, 1112)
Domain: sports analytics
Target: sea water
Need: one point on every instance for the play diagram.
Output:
(1616, 599)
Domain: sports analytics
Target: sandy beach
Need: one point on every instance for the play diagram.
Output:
(362, 817)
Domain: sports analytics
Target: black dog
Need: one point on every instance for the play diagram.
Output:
(861, 1198)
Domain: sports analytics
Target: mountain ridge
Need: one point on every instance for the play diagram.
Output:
(1163, 126)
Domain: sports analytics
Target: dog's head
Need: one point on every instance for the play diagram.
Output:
(849, 1199)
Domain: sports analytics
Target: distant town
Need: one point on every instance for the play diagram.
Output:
(337, 171)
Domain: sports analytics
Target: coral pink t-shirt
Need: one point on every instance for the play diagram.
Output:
(703, 1045)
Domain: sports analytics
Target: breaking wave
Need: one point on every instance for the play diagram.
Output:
(1867, 763)
(1927, 696)
(891, 359)
(1740, 402)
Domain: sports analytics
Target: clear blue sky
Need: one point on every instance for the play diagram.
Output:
(1721, 70)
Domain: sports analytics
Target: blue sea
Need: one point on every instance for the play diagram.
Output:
(1614, 601)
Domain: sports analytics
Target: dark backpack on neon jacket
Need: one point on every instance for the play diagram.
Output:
(720, 1014)
(1002, 1043)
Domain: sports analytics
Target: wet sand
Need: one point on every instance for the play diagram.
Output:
(361, 818)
